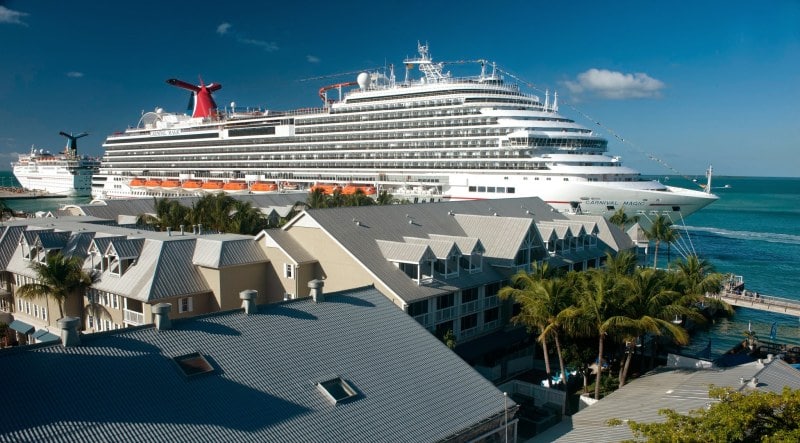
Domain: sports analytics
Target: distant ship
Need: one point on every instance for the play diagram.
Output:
(66, 173)
(435, 137)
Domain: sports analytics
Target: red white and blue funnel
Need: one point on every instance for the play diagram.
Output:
(201, 103)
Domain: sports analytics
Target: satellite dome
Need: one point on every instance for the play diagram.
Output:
(363, 80)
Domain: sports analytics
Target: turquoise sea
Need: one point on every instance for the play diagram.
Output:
(753, 230)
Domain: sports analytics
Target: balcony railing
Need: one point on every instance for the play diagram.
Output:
(469, 307)
(423, 319)
(490, 301)
(445, 314)
(133, 317)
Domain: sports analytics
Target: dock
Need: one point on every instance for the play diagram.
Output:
(754, 300)
(14, 193)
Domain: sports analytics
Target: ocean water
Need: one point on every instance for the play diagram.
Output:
(753, 230)
(39, 204)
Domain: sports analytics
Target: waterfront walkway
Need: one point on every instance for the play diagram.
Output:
(754, 300)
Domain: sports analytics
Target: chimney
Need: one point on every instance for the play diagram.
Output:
(316, 290)
(161, 313)
(248, 297)
(169, 231)
(182, 229)
(69, 331)
(199, 229)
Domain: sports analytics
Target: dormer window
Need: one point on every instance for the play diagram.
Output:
(288, 270)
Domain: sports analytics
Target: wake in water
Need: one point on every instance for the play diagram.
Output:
(787, 239)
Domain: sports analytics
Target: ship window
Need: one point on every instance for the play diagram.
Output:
(481, 188)
(610, 208)
(676, 208)
(490, 189)
(510, 190)
(472, 189)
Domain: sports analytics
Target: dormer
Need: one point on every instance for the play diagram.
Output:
(447, 255)
(122, 254)
(472, 251)
(415, 260)
(97, 251)
(28, 242)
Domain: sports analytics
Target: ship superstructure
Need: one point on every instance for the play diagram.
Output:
(426, 138)
(65, 173)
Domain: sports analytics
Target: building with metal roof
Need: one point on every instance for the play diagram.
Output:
(344, 367)
(669, 387)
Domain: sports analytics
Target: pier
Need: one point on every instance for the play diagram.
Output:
(754, 300)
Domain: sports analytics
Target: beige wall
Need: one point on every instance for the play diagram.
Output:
(227, 283)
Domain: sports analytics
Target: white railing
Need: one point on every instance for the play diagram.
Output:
(423, 319)
(490, 301)
(469, 307)
(467, 333)
(445, 314)
(133, 317)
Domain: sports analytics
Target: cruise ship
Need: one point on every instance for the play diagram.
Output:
(65, 173)
(426, 137)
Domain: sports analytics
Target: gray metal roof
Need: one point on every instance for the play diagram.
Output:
(467, 245)
(123, 386)
(125, 248)
(609, 234)
(405, 252)
(678, 389)
(52, 240)
(78, 244)
(442, 249)
(100, 242)
(458, 219)
(502, 236)
(9, 239)
(220, 253)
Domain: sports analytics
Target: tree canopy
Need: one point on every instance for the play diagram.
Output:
(731, 416)
(58, 278)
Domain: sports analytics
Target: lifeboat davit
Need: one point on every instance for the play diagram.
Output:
(191, 185)
(137, 183)
(235, 187)
(212, 186)
(263, 187)
(170, 184)
(152, 183)
(289, 186)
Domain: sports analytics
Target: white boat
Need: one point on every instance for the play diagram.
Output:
(456, 138)
(65, 173)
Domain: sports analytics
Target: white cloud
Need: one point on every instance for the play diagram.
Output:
(223, 28)
(312, 59)
(615, 85)
(74, 74)
(11, 16)
(267, 46)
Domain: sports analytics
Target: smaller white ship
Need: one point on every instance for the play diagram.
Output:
(65, 173)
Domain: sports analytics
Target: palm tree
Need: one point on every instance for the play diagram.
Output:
(622, 264)
(213, 211)
(594, 313)
(694, 278)
(384, 198)
(169, 214)
(59, 278)
(317, 199)
(621, 218)
(524, 290)
(554, 296)
(246, 219)
(359, 198)
(657, 233)
(649, 308)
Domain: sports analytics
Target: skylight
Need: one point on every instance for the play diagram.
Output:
(193, 364)
(337, 389)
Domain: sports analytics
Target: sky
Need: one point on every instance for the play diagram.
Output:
(674, 86)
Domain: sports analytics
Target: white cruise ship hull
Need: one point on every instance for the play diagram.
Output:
(436, 138)
(55, 180)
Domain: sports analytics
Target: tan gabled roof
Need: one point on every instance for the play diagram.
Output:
(467, 245)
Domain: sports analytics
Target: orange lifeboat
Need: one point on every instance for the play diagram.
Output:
(170, 184)
(263, 187)
(152, 183)
(191, 185)
(212, 186)
(235, 187)
(352, 189)
(327, 189)
(137, 183)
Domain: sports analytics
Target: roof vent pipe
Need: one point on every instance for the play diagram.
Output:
(161, 314)
(169, 231)
(316, 290)
(248, 297)
(69, 331)
(199, 229)
(182, 229)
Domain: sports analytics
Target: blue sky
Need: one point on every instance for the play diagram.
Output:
(717, 82)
